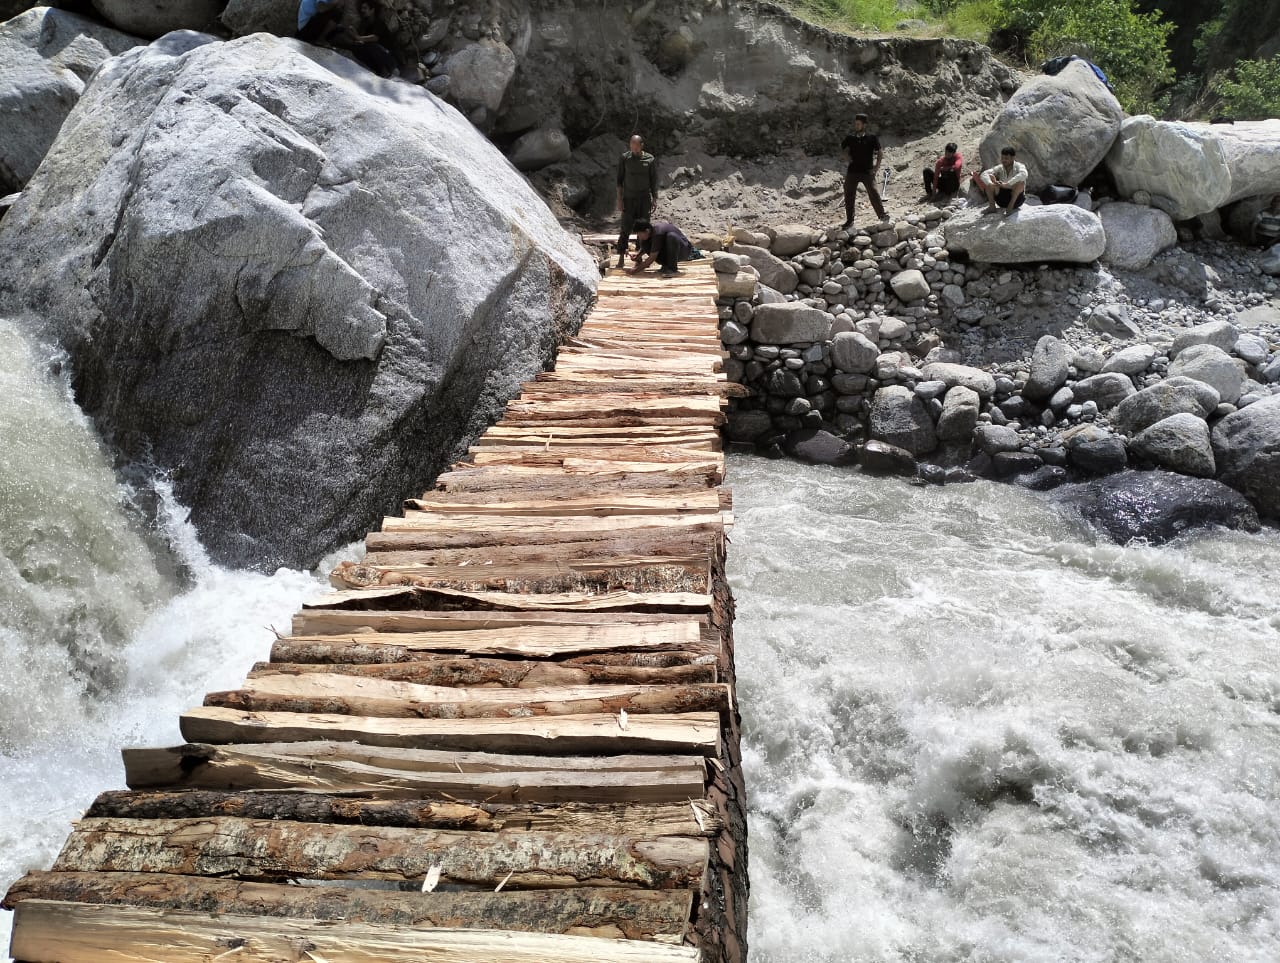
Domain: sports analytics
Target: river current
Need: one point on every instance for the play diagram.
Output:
(972, 730)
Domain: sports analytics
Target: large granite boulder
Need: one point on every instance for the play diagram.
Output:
(1062, 126)
(295, 288)
(853, 352)
(479, 74)
(1246, 447)
(1094, 449)
(1156, 505)
(1032, 234)
(46, 57)
(792, 239)
(1179, 443)
(1135, 234)
(1189, 168)
(950, 374)
(1213, 366)
(155, 18)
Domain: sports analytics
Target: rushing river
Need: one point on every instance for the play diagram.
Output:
(972, 731)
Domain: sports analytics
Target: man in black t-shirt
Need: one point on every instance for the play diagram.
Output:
(862, 150)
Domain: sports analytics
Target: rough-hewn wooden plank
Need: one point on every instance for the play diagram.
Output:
(692, 732)
(355, 650)
(273, 849)
(355, 695)
(567, 575)
(49, 931)
(344, 612)
(583, 535)
(696, 501)
(439, 597)
(627, 818)
(506, 673)
(631, 914)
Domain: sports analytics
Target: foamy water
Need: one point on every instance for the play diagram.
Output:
(974, 733)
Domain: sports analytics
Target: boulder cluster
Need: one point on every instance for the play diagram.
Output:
(880, 348)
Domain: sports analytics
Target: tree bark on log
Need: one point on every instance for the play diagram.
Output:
(508, 673)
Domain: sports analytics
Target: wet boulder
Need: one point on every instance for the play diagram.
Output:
(818, 447)
(1179, 443)
(46, 57)
(281, 278)
(899, 418)
(1156, 506)
(1246, 445)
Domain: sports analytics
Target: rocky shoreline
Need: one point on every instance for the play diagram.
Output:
(890, 353)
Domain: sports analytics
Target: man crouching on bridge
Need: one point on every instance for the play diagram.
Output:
(662, 242)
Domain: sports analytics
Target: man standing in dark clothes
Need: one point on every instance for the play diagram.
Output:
(637, 191)
(862, 150)
(662, 242)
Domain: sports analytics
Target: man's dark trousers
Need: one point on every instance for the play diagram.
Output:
(635, 207)
(851, 181)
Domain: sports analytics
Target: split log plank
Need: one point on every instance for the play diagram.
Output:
(685, 818)
(591, 575)
(693, 732)
(695, 500)
(49, 931)
(271, 849)
(344, 612)
(525, 537)
(504, 673)
(441, 598)
(632, 914)
(386, 698)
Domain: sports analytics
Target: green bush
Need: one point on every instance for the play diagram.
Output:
(1131, 48)
(1255, 93)
(878, 15)
(971, 19)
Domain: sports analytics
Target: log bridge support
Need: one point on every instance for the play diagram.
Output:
(509, 735)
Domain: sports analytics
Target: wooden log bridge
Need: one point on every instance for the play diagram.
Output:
(509, 735)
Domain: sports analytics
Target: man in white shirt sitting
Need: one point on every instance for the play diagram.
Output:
(1005, 184)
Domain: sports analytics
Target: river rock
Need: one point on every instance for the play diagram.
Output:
(1246, 445)
(155, 18)
(993, 439)
(1213, 366)
(747, 425)
(1156, 505)
(881, 458)
(1050, 364)
(1062, 126)
(909, 286)
(961, 374)
(1179, 443)
(1094, 449)
(539, 148)
(1106, 390)
(46, 57)
(1114, 320)
(1193, 168)
(959, 415)
(899, 418)
(479, 75)
(272, 278)
(1172, 396)
(774, 272)
(740, 285)
(1135, 234)
(818, 447)
(854, 353)
(1220, 334)
(243, 17)
(789, 323)
(722, 262)
(1032, 234)
(1132, 360)
(792, 239)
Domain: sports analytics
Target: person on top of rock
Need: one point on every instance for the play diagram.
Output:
(1266, 226)
(1005, 185)
(863, 153)
(637, 191)
(944, 176)
(316, 18)
(662, 242)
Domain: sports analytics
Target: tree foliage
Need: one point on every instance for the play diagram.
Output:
(1130, 47)
(1254, 94)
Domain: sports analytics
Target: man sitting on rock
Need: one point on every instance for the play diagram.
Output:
(662, 242)
(944, 177)
(1005, 184)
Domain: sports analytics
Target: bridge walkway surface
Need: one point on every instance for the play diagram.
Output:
(509, 735)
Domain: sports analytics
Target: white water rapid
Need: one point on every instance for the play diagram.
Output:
(99, 648)
(974, 732)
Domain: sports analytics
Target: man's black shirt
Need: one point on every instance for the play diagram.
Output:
(862, 150)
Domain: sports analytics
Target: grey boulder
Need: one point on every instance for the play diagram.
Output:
(1096, 450)
(818, 447)
(1179, 443)
(901, 419)
(279, 279)
(1031, 234)
(853, 352)
(1213, 366)
(1062, 126)
(538, 148)
(1132, 360)
(951, 375)
(1175, 395)
(1135, 234)
(1246, 445)
(1106, 390)
(789, 323)
(1050, 362)
(155, 18)
(774, 272)
(1156, 505)
(46, 57)
(243, 17)
(1220, 334)
(792, 239)
(959, 415)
